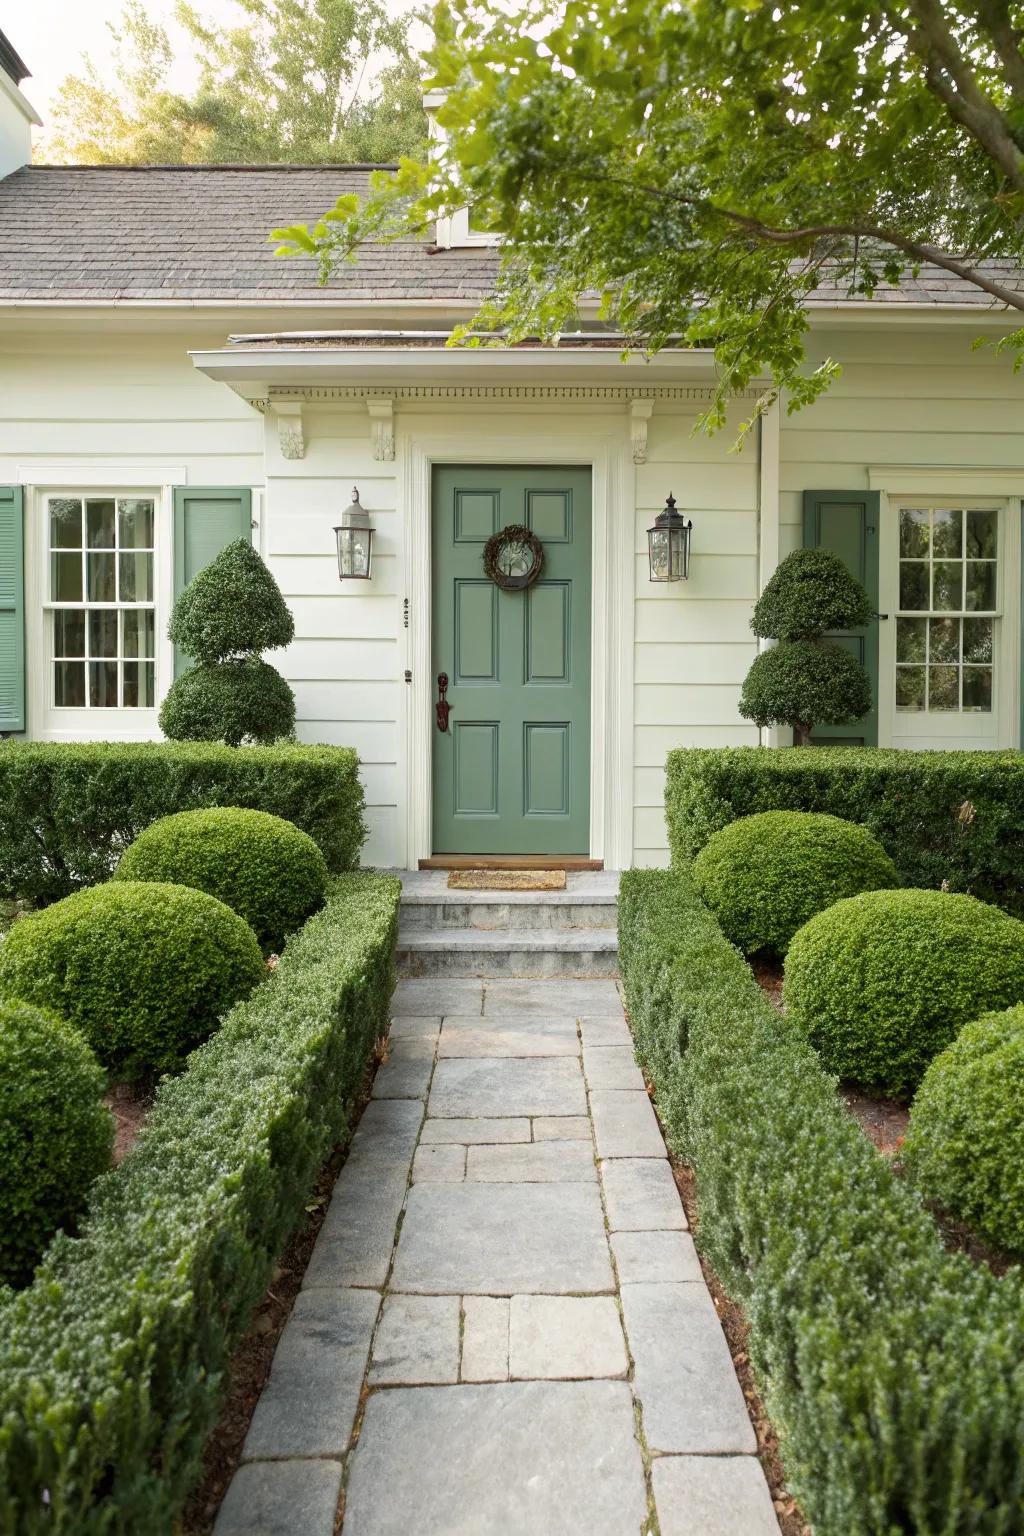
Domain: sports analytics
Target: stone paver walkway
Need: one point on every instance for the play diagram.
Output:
(504, 1330)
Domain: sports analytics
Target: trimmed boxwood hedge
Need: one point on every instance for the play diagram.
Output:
(892, 1370)
(765, 876)
(112, 1364)
(953, 816)
(143, 970)
(55, 1133)
(264, 868)
(965, 1145)
(69, 809)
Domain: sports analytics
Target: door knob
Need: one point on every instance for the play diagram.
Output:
(442, 707)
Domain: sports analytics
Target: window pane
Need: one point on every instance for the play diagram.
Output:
(943, 639)
(66, 578)
(139, 629)
(69, 684)
(139, 685)
(981, 535)
(65, 523)
(913, 584)
(911, 639)
(101, 578)
(103, 684)
(69, 632)
(948, 585)
(943, 688)
(910, 687)
(103, 632)
(947, 535)
(913, 534)
(978, 688)
(135, 519)
(99, 524)
(981, 585)
(136, 578)
(978, 640)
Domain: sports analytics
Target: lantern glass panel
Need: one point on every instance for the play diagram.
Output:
(659, 542)
(354, 552)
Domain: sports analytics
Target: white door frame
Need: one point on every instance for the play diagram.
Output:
(419, 447)
(904, 485)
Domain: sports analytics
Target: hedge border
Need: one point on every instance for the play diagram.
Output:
(113, 1363)
(69, 809)
(941, 816)
(892, 1370)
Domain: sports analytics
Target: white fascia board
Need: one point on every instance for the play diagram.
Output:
(19, 99)
(242, 366)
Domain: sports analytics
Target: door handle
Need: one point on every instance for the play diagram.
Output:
(442, 707)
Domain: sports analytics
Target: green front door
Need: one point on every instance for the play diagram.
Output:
(512, 770)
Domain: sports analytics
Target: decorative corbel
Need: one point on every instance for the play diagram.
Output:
(289, 428)
(640, 412)
(382, 427)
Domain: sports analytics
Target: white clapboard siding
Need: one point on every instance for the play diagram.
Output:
(336, 700)
(685, 704)
(649, 787)
(312, 661)
(721, 532)
(317, 576)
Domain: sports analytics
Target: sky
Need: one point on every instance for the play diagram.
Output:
(52, 35)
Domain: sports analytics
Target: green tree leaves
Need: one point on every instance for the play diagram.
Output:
(288, 85)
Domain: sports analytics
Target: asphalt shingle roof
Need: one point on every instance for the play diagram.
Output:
(91, 233)
(103, 232)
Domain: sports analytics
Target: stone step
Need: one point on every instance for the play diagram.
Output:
(533, 951)
(508, 909)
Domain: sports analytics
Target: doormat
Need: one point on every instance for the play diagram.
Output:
(506, 880)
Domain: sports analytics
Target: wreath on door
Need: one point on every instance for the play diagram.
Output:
(513, 558)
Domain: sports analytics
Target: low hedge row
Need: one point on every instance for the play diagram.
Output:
(69, 809)
(953, 816)
(892, 1370)
(112, 1364)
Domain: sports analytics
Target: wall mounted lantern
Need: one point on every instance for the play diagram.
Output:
(355, 541)
(668, 544)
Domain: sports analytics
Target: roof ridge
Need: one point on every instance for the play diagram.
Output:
(270, 165)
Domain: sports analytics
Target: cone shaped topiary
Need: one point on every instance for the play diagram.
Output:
(811, 592)
(226, 617)
(231, 608)
(805, 681)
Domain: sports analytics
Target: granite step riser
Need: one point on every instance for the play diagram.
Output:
(507, 962)
(494, 915)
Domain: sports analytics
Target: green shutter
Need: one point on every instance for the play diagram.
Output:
(12, 610)
(204, 521)
(846, 522)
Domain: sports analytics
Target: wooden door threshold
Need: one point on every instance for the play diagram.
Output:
(509, 861)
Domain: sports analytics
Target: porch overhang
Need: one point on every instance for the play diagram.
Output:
(260, 368)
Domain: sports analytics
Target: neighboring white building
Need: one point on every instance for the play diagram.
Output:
(165, 383)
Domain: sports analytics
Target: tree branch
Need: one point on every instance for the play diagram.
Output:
(994, 16)
(949, 76)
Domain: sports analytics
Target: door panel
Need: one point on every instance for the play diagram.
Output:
(512, 772)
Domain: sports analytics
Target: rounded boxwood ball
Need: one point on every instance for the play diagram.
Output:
(965, 1145)
(55, 1134)
(764, 876)
(880, 983)
(230, 701)
(143, 970)
(260, 865)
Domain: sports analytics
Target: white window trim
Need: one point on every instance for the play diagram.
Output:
(966, 488)
(45, 721)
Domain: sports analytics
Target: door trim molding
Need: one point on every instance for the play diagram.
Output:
(610, 462)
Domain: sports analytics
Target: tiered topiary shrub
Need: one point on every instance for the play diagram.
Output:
(765, 876)
(880, 983)
(260, 866)
(805, 680)
(143, 970)
(965, 1145)
(227, 616)
(55, 1134)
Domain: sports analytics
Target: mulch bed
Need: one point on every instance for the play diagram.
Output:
(129, 1105)
(251, 1362)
